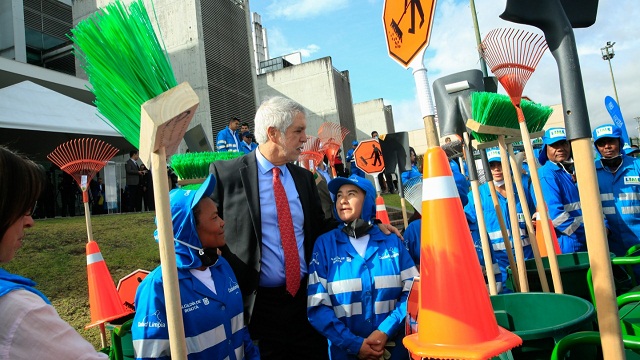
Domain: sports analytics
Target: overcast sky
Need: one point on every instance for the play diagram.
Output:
(352, 33)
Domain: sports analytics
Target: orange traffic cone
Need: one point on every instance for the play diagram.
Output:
(381, 211)
(542, 246)
(103, 297)
(454, 304)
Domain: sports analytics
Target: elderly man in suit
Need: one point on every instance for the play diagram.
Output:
(273, 216)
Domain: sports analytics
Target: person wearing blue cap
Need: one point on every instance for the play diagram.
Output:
(247, 145)
(619, 183)
(210, 297)
(352, 160)
(498, 248)
(559, 189)
(359, 279)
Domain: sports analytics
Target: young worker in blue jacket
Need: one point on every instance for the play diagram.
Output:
(210, 297)
(359, 279)
(619, 183)
(559, 189)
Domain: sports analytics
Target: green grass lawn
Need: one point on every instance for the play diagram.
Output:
(393, 200)
(53, 255)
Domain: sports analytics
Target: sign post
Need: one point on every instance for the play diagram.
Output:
(407, 40)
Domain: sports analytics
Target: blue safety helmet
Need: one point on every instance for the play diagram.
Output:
(354, 143)
(551, 136)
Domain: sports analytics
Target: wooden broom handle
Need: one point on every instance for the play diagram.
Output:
(599, 258)
(527, 218)
(542, 212)
(484, 238)
(513, 215)
(403, 205)
(505, 236)
(177, 340)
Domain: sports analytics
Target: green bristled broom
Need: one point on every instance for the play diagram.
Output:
(193, 168)
(135, 89)
(492, 110)
(497, 110)
(125, 63)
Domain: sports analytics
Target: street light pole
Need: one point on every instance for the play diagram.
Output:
(608, 54)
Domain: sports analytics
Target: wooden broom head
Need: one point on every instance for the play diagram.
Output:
(513, 56)
(82, 157)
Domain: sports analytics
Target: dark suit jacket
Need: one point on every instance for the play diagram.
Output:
(236, 194)
(133, 177)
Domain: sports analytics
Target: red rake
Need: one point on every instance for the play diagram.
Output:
(82, 159)
(331, 136)
(513, 56)
(311, 154)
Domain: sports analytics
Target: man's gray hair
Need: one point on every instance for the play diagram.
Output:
(277, 112)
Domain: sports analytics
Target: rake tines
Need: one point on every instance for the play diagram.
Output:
(311, 154)
(82, 157)
(331, 136)
(513, 56)
(413, 192)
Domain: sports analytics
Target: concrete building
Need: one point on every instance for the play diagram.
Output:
(373, 115)
(323, 90)
(209, 46)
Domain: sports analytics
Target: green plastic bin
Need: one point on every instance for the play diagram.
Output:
(542, 319)
(573, 272)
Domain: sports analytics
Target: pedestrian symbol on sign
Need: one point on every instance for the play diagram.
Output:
(365, 152)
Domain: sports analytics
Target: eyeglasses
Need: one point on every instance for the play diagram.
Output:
(32, 211)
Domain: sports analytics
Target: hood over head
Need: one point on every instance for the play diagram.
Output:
(369, 204)
(182, 203)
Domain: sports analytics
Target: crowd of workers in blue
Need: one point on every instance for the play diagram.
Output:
(338, 287)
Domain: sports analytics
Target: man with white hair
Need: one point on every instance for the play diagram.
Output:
(273, 217)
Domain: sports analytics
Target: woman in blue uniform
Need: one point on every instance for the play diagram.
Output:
(210, 297)
(359, 279)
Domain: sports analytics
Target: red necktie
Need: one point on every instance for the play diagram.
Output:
(289, 244)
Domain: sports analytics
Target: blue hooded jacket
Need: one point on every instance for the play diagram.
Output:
(349, 295)
(213, 321)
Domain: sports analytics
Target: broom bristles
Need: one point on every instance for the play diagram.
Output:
(125, 63)
(497, 110)
(195, 165)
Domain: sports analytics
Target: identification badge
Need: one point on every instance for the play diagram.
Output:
(632, 180)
